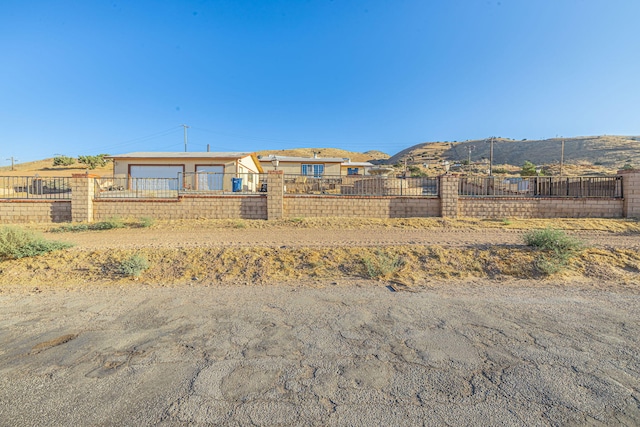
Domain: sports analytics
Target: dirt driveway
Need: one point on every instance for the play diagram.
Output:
(315, 237)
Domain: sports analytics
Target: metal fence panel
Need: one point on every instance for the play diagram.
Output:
(541, 186)
(360, 185)
(35, 187)
(199, 183)
(223, 183)
(132, 188)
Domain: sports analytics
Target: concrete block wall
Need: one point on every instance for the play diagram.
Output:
(82, 192)
(518, 207)
(276, 204)
(275, 194)
(187, 207)
(38, 211)
(449, 196)
(631, 193)
(365, 207)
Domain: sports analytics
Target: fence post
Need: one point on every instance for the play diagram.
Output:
(275, 194)
(449, 196)
(82, 192)
(630, 193)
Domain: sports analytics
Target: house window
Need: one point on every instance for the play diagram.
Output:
(316, 170)
(352, 171)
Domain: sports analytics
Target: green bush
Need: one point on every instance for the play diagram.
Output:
(70, 228)
(18, 243)
(109, 224)
(147, 221)
(557, 248)
(63, 161)
(382, 265)
(93, 162)
(134, 265)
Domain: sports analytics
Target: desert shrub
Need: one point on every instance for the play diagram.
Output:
(108, 224)
(70, 228)
(382, 265)
(18, 243)
(556, 248)
(146, 221)
(134, 265)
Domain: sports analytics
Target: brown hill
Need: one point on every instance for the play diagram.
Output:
(590, 154)
(45, 167)
(328, 152)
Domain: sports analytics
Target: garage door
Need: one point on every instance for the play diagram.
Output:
(210, 177)
(151, 173)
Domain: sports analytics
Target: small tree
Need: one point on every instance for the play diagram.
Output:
(93, 161)
(528, 169)
(63, 161)
(416, 172)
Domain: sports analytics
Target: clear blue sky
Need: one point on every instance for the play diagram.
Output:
(89, 76)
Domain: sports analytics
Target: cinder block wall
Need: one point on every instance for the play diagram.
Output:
(225, 207)
(631, 192)
(40, 211)
(486, 207)
(366, 207)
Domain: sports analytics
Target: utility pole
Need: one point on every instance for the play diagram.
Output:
(185, 137)
(491, 156)
(562, 157)
(470, 148)
(13, 160)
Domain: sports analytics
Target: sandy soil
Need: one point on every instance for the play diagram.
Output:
(321, 353)
(313, 237)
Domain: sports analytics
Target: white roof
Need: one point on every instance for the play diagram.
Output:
(363, 164)
(180, 155)
(292, 159)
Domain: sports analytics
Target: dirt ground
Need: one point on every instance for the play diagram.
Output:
(321, 352)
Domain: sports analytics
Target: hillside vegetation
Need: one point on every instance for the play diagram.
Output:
(589, 154)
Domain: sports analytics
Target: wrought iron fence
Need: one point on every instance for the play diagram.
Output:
(35, 187)
(132, 188)
(200, 183)
(360, 185)
(541, 186)
(223, 183)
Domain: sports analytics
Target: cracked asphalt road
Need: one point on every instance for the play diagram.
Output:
(352, 354)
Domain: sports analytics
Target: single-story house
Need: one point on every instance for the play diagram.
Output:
(355, 168)
(192, 170)
(314, 166)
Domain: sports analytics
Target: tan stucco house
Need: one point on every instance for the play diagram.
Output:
(310, 166)
(193, 170)
(355, 168)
